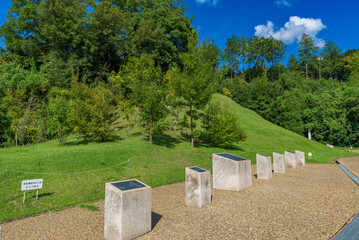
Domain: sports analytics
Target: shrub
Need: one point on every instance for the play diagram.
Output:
(92, 113)
(222, 126)
(227, 93)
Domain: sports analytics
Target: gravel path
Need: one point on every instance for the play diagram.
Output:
(312, 202)
(352, 163)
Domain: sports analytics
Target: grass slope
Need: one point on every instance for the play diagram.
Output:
(159, 164)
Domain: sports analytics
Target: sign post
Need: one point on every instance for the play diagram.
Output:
(34, 184)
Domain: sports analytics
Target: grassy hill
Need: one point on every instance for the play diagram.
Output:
(159, 164)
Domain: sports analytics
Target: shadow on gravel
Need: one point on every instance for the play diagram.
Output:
(155, 219)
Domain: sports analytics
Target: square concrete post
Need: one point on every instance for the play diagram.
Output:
(278, 163)
(198, 187)
(231, 172)
(264, 166)
(290, 160)
(300, 158)
(127, 209)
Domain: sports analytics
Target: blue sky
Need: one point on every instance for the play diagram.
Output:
(335, 20)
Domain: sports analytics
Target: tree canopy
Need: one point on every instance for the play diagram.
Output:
(75, 67)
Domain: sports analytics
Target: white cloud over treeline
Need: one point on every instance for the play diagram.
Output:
(293, 30)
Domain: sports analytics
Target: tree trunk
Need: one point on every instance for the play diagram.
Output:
(151, 123)
(249, 65)
(176, 122)
(192, 138)
(320, 71)
(243, 65)
(278, 73)
(265, 68)
(16, 136)
(272, 70)
(306, 69)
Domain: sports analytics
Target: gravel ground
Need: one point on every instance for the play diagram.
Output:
(352, 163)
(312, 202)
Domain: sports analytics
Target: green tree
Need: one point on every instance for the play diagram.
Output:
(148, 90)
(60, 114)
(353, 78)
(92, 112)
(195, 83)
(15, 103)
(231, 55)
(279, 49)
(307, 51)
(211, 52)
(292, 64)
(332, 60)
(5, 123)
(161, 30)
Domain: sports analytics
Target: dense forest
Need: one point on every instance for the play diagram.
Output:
(74, 67)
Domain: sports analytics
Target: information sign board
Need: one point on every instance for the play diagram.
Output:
(31, 184)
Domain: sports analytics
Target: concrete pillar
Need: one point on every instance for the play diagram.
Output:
(264, 166)
(231, 172)
(278, 163)
(300, 158)
(290, 160)
(198, 187)
(127, 209)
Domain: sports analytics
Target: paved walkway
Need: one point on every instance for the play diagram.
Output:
(349, 173)
(351, 231)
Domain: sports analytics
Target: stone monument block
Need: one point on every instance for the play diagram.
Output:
(290, 160)
(300, 158)
(198, 187)
(127, 209)
(231, 172)
(264, 166)
(278, 163)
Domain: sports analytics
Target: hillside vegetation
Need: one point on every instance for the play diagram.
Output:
(160, 163)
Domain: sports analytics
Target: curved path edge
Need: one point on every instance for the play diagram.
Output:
(348, 173)
(350, 231)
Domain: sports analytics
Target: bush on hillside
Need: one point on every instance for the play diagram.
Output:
(222, 126)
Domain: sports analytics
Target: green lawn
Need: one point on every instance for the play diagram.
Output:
(156, 165)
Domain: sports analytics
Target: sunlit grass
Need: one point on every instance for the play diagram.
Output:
(158, 164)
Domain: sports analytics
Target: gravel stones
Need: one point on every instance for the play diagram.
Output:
(313, 202)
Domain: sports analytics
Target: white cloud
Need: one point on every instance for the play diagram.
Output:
(211, 2)
(283, 3)
(293, 30)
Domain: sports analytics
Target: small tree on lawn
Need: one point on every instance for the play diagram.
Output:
(148, 91)
(59, 114)
(194, 82)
